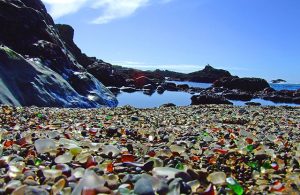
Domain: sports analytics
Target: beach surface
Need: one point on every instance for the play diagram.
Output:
(211, 149)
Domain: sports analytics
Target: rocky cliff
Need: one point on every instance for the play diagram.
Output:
(39, 66)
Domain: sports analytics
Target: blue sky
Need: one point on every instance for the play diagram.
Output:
(259, 38)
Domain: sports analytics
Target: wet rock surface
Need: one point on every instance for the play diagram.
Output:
(35, 59)
(244, 84)
(177, 150)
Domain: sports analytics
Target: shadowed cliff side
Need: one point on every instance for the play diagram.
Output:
(32, 49)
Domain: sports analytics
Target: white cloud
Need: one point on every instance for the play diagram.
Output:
(109, 9)
(59, 8)
(185, 68)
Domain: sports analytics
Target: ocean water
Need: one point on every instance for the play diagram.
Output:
(141, 100)
(278, 87)
(285, 86)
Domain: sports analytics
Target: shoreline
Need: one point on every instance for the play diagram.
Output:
(187, 149)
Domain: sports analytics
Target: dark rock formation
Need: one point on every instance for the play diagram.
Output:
(169, 86)
(103, 71)
(253, 104)
(244, 84)
(208, 75)
(141, 81)
(183, 87)
(243, 96)
(45, 64)
(128, 89)
(160, 89)
(114, 90)
(168, 105)
(149, 87)
(283, 96)
(67, 35)
(278, 81)
(209, 99)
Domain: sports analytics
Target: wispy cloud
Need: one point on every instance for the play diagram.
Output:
(108, 9)
(60, 8)
(184, 68)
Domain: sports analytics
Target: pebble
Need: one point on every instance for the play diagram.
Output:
(183, 150)
(143, 187)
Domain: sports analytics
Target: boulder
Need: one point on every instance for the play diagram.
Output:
(141, 81)
(279, 99)
(253, 104)
(160, 89)
(128, 89)
(169, 86)
(296, 100)
(149, 87)
(148, 92)
(243, 84)
(243, 96)
(168, 105)
(209, 99)
(269, 90)
(183, 86)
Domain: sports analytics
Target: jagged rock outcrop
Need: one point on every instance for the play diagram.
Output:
(208, 75)
(35, 61)
(103, 71)
(244, 84)
(278, 81)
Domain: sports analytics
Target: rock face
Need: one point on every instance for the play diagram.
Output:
(39, 67)
(244, 84)
(208, 75)
(283, 96)
(103, 71)
(243, 96)
(278, 81)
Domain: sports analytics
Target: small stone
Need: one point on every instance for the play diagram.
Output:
(58, 186)
(165, 172)
(52, 173)
(89, 181)
(184, 176)
(217, 178)
(143, 187)
(148, 166)
(44, 145)
(12, 185)
(30, 182)
(63, 159)
(174, 186)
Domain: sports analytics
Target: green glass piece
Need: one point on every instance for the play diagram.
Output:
(39, 115)
(100, 125)
(253, 165)
(234, 186)
(266, 165)
(250, 148)
(108, 117)
(205, 134)
(179, 166)
(37, 162)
